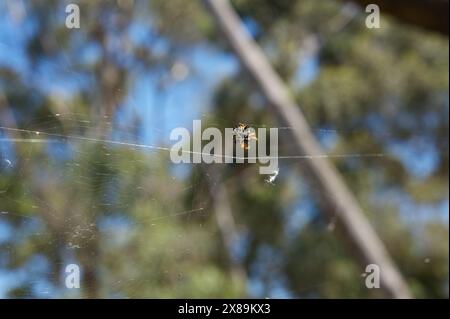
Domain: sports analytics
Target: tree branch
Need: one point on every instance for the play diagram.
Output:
(348, 212)
(225, 221)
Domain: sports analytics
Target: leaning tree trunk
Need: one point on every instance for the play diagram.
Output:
(348, 212)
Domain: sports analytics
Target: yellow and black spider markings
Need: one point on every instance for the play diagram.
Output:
(244, 133)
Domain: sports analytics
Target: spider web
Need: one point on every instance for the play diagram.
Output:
(69, 163)
(103, 194)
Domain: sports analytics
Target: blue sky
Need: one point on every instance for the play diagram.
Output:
(161, 110)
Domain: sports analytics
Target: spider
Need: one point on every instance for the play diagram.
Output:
(271, 179)
(243, 134)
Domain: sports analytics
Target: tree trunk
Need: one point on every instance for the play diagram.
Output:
(348, 212)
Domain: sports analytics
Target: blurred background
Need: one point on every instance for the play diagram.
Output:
(140, 226)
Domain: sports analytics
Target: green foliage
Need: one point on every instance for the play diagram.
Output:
(378, 89)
